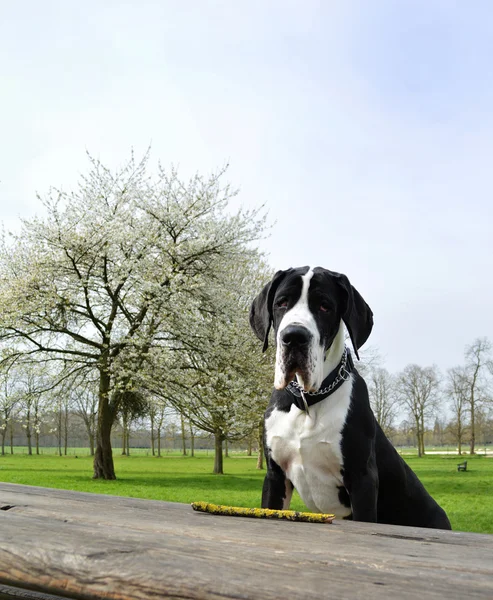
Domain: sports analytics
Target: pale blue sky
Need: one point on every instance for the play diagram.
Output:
(365, 127)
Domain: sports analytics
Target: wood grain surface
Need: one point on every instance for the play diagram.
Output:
(91, 546)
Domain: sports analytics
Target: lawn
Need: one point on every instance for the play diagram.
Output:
(467, 496)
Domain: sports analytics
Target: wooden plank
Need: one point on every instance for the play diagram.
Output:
(10, 593)
(90, 546)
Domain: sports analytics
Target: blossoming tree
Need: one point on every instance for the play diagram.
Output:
(113, 270)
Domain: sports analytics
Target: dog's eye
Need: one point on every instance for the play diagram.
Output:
(282, 303)
(324, 307)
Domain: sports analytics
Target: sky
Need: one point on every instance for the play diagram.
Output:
(365, 128)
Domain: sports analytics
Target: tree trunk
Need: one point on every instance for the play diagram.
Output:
(459, 434)
(89, 424)
(183, 437)
(192, 440)
(419, 433)
(36, 427)
(128, 439)
(11, 436)
(249, 451)
(124, 434)
(4, 433)
(28, 433)
(472, 449)
(103, 458)
(218, 453)
(59, 432)
(260, 456)
(158, 431)
(152, 437)
(65, 431)
(226, 449)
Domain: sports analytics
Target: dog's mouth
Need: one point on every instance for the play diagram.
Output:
(293, 369)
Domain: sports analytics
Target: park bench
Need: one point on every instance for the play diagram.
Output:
(462, 466)
(62, 544)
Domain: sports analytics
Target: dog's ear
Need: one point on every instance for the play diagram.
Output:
(356, 314)
(262, 308)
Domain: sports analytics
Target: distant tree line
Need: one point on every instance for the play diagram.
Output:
(438, 411)
(136, 435)
(453, 408)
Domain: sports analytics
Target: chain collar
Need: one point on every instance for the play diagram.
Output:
(332, 382)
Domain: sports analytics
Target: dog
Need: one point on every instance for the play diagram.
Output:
(321, 436)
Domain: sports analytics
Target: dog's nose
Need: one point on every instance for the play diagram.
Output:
(295, 336)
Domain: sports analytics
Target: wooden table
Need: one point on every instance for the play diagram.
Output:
(88, 546)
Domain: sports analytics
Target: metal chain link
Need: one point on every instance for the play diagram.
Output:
(342, 375)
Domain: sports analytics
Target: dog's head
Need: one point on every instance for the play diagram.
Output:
(305, 306)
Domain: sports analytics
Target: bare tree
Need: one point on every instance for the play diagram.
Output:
(158, 411)
(478, 363)
(8, 400)
(407, 433)
(152, 414)
(33, 383)
(370, 359)
(60, 410)
(439, 427)
(383, 397)
(260, 438)
(418, 393)
(183, 435)
(483, 423)
(84, 401)
(457, 390)
(192, 437)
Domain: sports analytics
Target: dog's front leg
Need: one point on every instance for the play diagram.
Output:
(277, 490)
(363, 493)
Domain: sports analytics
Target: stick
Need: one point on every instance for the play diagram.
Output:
(262, 513)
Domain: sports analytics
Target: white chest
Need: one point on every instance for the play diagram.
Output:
(308, 449)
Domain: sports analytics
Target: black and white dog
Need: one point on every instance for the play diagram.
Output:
(320, 433)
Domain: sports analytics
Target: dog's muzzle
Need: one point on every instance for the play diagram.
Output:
(293, 355)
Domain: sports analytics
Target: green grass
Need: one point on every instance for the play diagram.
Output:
(467, 496)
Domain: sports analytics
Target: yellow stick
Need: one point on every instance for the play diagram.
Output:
(262, 513)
